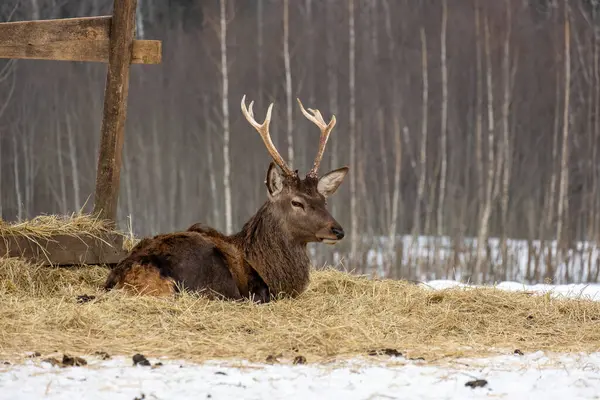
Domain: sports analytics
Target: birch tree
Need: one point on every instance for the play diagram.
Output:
(74, 166)
(482, 236)
(288, 81)
(5, 72)
(444, 122)
(139, 19)
(225, 110)
(422, 166)
(332, 85)
(564, 170)
(260, 45)
(352, 125)
(506, 74)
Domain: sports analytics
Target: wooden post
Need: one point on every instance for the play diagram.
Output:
(115, 109)
(107, 39)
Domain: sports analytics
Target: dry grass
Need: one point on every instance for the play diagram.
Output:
(339, 316)
(74, 225)
(45, 226)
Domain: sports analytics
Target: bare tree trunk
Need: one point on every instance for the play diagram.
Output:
(591, 227)
(225, 109)
(385, 212)
(366, 228)
(482, 236)
(352, 126)
(444, 123)
(332, 81)
(61, 172)
(28, 172)
(17, 178)
(506, 145)
(396, 197)
(551, 195)
(395, 264)
(211, 165)
(173, 192)
(479, 122)
(139, 19)
(443, 138)
(288, 81)
(74, 167)
(128, 188)
(4, 74)
(35, 10)
(145, 184)
(423, 147)
(564, 164)
(596, 220)
(161, 196)
(260, 43)
(310, 61)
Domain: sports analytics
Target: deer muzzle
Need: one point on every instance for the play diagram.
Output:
(331, 234)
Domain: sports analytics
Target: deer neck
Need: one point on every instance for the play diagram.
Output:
(283, 264)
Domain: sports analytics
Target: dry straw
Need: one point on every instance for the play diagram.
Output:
(340, 316)
(44, 227)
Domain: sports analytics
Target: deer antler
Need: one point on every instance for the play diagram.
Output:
(318, 120)
(263, 130)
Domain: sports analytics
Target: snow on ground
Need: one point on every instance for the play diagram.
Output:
(529, 376)
(582, 259)
(573, 291)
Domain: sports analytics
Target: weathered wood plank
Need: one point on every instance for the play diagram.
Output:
(144, 51)
(54, 30)
(65, 250)
(115, 110)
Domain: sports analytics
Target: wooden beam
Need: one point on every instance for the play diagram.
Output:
(65, 250)
(144, 51)
(70, 39)
(54, 30)
(115, 110)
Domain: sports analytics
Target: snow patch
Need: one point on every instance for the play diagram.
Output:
(531, 376)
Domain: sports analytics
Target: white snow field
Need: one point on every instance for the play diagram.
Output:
(509, 376)
(531, 376)
(582, 259)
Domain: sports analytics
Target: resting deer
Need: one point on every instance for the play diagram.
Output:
(267, 258)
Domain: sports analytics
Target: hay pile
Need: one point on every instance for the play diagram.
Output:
(46, 226)
(74, 225)
(339, 316)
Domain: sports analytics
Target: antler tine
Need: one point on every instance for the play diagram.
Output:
(317, 119)
(263, 130)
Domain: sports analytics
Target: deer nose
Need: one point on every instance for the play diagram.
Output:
(338, 232)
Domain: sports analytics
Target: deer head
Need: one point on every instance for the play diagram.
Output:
(300, 205)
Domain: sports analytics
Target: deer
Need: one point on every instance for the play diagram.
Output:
(267, 258)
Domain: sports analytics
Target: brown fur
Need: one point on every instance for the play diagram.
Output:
(144, 279)
(266, 258)
(187, 258)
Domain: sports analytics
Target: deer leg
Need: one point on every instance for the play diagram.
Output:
(257, 288)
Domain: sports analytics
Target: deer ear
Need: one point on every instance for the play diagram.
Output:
(274, 180)
(330, 182)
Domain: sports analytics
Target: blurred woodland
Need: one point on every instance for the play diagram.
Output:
(462, 121)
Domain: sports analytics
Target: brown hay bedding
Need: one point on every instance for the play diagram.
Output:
(340, 316)
(48, 225)
(75, 225)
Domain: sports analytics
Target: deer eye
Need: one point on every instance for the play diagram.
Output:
(297, 204)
